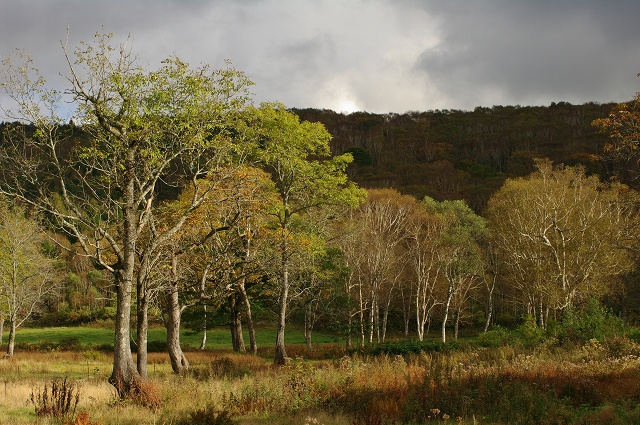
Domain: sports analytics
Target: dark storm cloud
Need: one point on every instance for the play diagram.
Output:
(497, 52)
(375, 55)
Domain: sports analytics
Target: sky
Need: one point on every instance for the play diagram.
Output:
(377, 56)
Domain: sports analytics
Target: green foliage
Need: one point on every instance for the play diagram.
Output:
(593, 321)
(529, 334)
(361, 156)
(495, 337)
(634, 334)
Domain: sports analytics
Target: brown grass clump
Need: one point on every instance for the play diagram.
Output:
(58, 400)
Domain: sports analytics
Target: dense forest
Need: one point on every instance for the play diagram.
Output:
(453, 154)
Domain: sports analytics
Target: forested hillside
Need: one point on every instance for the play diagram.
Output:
(452, 154)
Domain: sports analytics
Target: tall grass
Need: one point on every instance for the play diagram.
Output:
(596, 383)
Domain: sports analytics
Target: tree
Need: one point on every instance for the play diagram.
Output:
(559, 236)
(213, 256)
(374, 250)
(235, 258)
(296, 155)
(26, 274)
(424, 242)
(623, 127)
(460, 257)
(141, 131)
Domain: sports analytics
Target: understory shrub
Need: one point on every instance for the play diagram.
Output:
(497, 336)
(592, 322)
(529, 334)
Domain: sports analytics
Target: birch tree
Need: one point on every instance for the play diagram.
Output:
(559, 235)
(460, 257)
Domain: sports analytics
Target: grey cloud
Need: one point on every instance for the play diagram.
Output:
(534, 52)
(381, 55)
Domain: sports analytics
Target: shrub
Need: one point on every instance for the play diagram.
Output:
(634, 334)
(496, 337)
(70, 344)
(529, 334)
(593, 322)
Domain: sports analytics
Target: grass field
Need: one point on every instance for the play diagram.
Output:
(102, 338)
(595, 383)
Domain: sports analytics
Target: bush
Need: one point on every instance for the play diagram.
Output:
(496, 337)
(529, 334)
(593, 322)
(634, 334)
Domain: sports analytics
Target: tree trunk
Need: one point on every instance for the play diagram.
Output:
(385, 318)
(124, 374)
(203, 343)
(179, 362)
(376, 322)
(406, 313)
(1, 327)
(456, 325)
(372, 315)
(546, 316)
(235, 325)
(280, 352)
(142, 330)
(12, 338)
(308, 325)
(487, 323)
(253, 345)
(361, 313)
(541, 322)
(348, 342)
(446, 314)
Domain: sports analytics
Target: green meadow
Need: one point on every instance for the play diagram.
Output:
(88, 337)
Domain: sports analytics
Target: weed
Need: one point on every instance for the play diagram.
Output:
(59, 400)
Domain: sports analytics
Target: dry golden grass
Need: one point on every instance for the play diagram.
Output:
(339, 391)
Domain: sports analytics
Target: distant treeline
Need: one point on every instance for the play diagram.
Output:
(453, 154)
